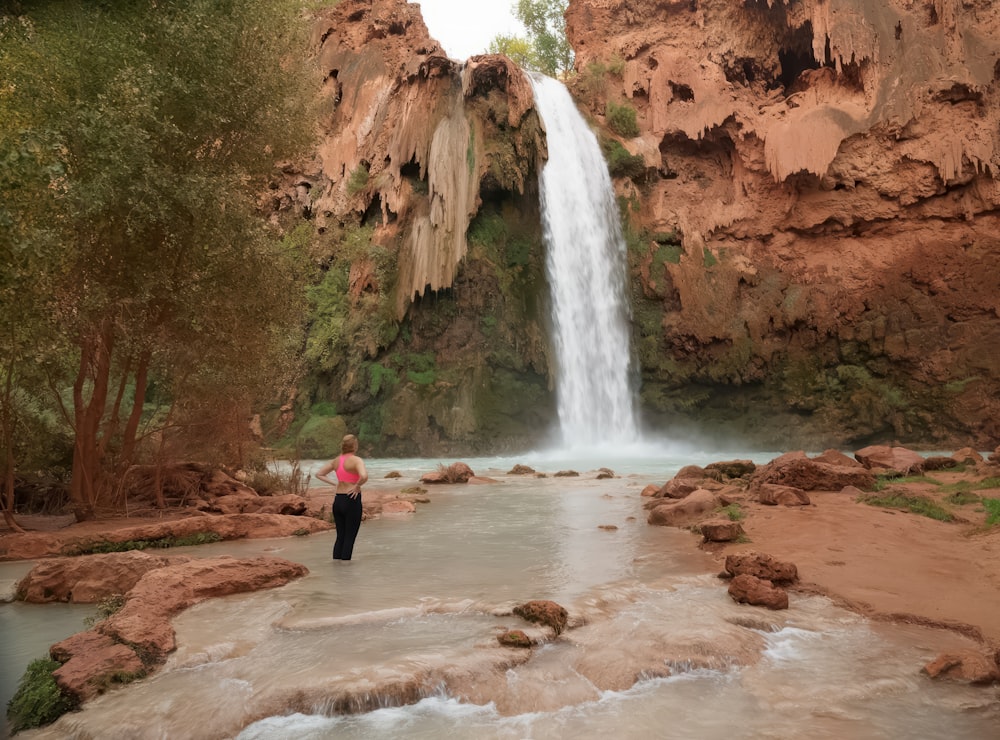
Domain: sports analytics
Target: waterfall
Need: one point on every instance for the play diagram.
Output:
(585, 264)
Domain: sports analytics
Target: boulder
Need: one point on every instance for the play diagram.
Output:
(678, 488)
(895, 460)
(836, 457)
(965, 667)
(514, 638)
(809, 475)
(772, 494)
(685, 511)
(566, 474)
(691, 471)
(650, 490)
(939, 462)
(731, 468)
(747, 589)
(521, 470)
(967, 455)
(547, 613)
(761, 565)
(721, 530)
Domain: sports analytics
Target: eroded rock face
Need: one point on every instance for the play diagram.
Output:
(818, 212)
(419, 158)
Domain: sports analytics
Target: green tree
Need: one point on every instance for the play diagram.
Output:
(545, 49)
(134, 138)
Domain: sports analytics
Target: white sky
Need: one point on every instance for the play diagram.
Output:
(466, 27)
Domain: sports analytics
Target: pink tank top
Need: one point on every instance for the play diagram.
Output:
(344, 475)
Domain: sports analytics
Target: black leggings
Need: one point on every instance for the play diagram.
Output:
(347, 518)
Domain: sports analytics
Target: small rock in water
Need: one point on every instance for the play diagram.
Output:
(514, 638)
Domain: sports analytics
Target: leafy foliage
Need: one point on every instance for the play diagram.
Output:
(38, 700)
(620, 162)
(621, 119)
(358, 180)
(133, 137)
(546, 48)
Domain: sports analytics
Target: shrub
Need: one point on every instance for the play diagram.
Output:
(105, 608)
(358, 180)
(620, 162)
(269, 481)
(621, 119)
(427, 377)
(38, 700)
(734, 512)
(381, 377)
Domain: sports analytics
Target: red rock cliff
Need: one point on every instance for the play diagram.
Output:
(815, 231)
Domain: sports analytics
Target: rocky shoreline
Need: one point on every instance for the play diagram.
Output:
(846, 528)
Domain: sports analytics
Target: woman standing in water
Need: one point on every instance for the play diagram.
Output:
(351, 475)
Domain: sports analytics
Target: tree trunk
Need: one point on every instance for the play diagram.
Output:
(135, 416)
(7, 437)
(95, 363)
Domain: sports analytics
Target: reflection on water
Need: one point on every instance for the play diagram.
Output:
(657, 649)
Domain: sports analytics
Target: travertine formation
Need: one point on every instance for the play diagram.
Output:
(395, 109)
(819, 208)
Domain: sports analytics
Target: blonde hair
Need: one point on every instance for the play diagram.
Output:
(349, 444)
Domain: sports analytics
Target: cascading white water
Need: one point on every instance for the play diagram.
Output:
(585, 263)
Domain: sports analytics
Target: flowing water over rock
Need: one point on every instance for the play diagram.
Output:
(401, 642)
(585, 264)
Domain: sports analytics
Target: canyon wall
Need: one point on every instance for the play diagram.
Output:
(815, 224)
(808, 188)
(420, 213)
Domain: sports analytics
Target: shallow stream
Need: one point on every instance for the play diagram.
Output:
(401, 641)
